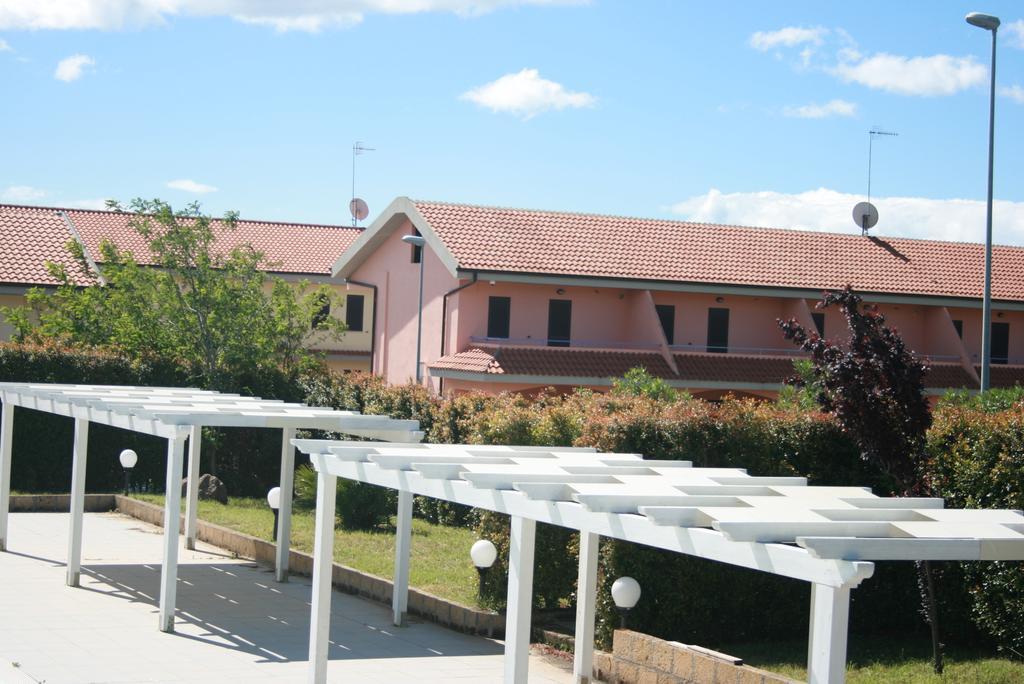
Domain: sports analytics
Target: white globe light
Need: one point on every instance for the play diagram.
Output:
(128, 458)
(483, 554)
(274, 498)
(625, 592)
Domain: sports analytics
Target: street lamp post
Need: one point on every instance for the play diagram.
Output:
(483, 553)
(625, 594)
(274, 501)
(128, 459)
(418, 241)
(989, 23)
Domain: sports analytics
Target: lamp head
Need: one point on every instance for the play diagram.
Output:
(128, 458)
(483, 554)
(985, 21)
(625, 592)
(274, 498)
(415, 240)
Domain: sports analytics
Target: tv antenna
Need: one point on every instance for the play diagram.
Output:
(865, 214)
(357, 207)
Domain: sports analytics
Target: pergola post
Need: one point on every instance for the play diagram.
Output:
(77, 509)
(195, 442)
(586, 608)
(520, 599)
(323, 567)
(172, 524)
(6, 440)
(284, 512)
(826, 644)
(403, 540)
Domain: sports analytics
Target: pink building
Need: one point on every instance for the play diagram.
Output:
(521, 300)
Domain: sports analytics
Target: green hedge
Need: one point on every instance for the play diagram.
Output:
(977, 454)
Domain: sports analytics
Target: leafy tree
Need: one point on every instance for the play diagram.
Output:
(874, 387)
(637, 382)
(219, 314)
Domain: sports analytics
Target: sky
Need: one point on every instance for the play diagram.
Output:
(749, 113)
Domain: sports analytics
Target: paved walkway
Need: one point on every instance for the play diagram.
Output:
(234, 623)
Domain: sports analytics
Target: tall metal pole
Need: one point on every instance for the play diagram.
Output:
(419, 321)
(986, 306)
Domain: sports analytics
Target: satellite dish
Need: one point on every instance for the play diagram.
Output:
(360, 211)
(865, 216)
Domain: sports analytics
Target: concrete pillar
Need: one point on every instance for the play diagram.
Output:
(520, 600)
(195, 443)
(323, 565)
(284, 513)
(172, 525)
(6, 440)
(77, 501)
(403, 540)
(826, 645)
(586, 609)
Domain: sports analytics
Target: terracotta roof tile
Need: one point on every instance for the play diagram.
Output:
(554, 243)
(288, 247)
(30, 237)
(694, 367)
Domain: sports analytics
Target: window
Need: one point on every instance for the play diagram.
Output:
(417, 251)
(819, 323)
(321, 315)
(667, 316)
(718, 330)
(499, 311)
(1000, 343)
(959, 325)
(354, 312)
(559, 322)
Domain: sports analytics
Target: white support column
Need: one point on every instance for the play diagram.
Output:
(826, 644)
(195, 444)
(284, 512)
(520, 600)
(323, 567)
(77, 501)
(172, 524)
(586, 609)
(6, 440)
(403, 540)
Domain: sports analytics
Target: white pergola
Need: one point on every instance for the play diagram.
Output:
(175, 414)
(827, 536)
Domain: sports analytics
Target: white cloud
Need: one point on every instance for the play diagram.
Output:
(1014, 92)
(187, 185)
(829, 210)
(1016, 33)
(21, 193)
(526, 94)
(787, 37)
(817, 111)
(5, 46)
(283, 15)
(71, 68)
(934, 75)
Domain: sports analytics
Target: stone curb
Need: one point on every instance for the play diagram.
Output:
(59, 503)
(427, 606)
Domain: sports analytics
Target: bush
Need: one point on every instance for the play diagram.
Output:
(359, 506)
(977, 461)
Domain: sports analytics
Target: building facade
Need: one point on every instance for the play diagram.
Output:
(32, 236)
(521, 300)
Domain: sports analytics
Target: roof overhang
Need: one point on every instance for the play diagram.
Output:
(725, 289)
(402, 209)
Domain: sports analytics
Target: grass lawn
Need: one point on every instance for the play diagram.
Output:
(887, 660)
(439, 565)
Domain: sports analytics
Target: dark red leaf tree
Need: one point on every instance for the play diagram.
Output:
(874, 387)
